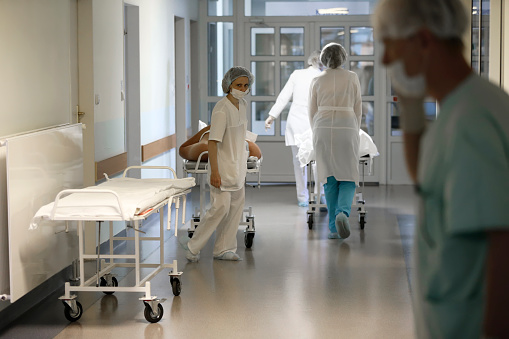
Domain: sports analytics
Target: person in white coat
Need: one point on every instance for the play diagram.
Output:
(335, 117)
(226, 170)
(297, 89)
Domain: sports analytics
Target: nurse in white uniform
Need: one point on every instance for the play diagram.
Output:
(297, 89)
(226, 170)
(335, 117)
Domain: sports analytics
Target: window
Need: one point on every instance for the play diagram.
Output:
(220, 7)
(292, 41)
(264, 74)
(306, 8)
(220, 54)
(262, 41)
(361, 41)
(332, 34)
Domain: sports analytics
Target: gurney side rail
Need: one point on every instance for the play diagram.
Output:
(84, 191)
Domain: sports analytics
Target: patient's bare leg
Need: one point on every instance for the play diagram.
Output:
(192, 148)
(192, 152)
(254, 150)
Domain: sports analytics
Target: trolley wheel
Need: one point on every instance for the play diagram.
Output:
(114, 283)
(310, 220)
(70, 315)
(176, 286)
(150, 316)
(251, 219)
(362, 221)
(248, 239)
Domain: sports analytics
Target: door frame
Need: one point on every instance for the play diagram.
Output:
(312, 27)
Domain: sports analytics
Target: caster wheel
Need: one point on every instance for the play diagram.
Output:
(362, 221)
(150, 316)
(248, 239)
(310, 220)
(114, 283)
(251, 219)
(176, 286)
(70, 315)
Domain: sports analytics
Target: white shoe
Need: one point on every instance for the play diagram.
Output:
(189, 255)
(232, 256)
(343, 225)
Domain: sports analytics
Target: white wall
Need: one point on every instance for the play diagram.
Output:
(37, 82)
(157, 71)
(34, 64)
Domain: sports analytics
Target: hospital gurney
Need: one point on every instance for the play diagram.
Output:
(199, 167)
(120, 199)
(315, 198)
(306, 156)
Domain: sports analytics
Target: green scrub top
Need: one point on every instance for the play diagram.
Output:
(463, 178)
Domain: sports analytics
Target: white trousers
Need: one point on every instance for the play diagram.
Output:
(301, 178)
(223, 217)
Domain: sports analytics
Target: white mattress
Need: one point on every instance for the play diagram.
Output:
(136, 196)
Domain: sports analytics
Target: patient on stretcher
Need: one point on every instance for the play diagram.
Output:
(198, 143)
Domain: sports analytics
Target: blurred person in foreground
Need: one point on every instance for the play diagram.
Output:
(460, 165)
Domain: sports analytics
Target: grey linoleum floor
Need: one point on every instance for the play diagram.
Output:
(293, 282)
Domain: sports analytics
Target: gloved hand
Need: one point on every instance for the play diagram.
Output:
(268, 122)
(412, 116)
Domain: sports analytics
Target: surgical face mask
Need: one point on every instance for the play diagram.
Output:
(238, 94)
(409, 86)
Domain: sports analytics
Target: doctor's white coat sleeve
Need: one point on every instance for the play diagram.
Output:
(313, 102)
(283, 98)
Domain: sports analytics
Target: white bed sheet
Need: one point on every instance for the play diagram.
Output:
(306, 152)
(136, 196)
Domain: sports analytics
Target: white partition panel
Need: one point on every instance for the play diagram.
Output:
(39, 165)
(4, 242)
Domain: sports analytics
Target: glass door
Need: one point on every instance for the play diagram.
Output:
(275, 50)
(272, 66)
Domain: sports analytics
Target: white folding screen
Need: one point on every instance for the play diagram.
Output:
(38, 166)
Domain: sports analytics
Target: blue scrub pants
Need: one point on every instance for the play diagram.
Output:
(339, 196)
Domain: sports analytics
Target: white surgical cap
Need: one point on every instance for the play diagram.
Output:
(234, 73)
(333, 55)
(314, 59)
(401, 18)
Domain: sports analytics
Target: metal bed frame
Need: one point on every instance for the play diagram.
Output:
(200, 168)
(314, 198)
(103, 279)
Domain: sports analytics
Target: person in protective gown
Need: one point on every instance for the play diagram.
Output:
(226, 170)
(335, 117)
(297, 89)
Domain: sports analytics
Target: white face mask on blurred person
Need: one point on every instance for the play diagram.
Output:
(238, 94)
(409, 86)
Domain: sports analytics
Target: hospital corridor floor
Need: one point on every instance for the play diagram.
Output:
(292, 283)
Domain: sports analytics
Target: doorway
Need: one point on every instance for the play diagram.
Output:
(131, 87)
(276, 49)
